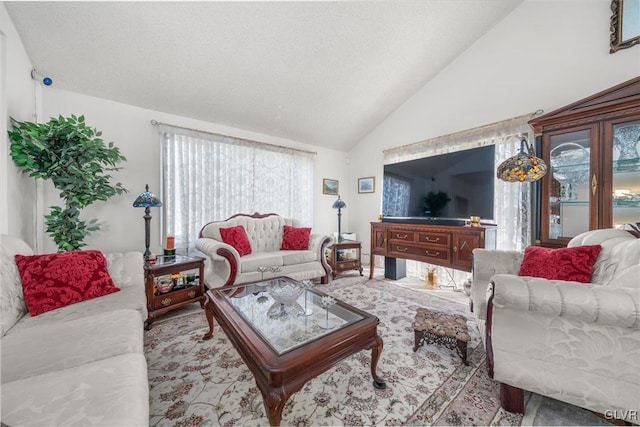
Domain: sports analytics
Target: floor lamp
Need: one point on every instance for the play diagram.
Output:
(147, 200)
(339, 204)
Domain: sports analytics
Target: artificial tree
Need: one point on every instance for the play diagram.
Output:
(71, 154)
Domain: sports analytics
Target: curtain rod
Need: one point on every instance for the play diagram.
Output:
(156, 123)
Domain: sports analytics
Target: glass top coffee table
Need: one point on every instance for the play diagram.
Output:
(285, 344)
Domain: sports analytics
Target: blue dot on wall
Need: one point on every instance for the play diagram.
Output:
(47, 81)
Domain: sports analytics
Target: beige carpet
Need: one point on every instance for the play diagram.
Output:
(198, 383)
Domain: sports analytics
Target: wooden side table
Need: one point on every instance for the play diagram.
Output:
(345, 255)
(183, 290)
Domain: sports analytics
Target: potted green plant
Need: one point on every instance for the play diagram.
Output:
(71, 154)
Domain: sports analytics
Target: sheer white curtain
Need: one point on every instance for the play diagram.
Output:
(208, 177)
(512, 201)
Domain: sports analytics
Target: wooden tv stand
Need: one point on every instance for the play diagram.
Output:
(445, 245)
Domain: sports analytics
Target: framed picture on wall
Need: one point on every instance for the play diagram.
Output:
(330, 187)
(625, 24)
(367, 185)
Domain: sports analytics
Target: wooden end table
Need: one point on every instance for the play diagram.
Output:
(345, 255)
(283, 353)
(182, 294)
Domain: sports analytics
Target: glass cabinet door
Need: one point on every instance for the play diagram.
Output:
(568, 194)
(625, 182)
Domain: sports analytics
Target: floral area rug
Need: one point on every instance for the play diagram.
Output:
(206, 383)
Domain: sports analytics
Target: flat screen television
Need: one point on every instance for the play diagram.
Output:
(465, 177)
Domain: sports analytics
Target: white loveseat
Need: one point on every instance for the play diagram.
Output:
(224, 266)
(574, 342)
(79, 365)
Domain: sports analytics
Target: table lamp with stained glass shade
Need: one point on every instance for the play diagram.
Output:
(147, 200)
(524, 166)
(339, 204)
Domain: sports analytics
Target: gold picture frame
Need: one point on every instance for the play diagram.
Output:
(330, 187)
(367, 185)
(625, 24)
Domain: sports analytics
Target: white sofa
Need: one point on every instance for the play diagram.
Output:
(574, 342)
(224, 266)
(79, 365)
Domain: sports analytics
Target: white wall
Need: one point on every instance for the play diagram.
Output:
(20, 99)
(545, 54)
(130, 129)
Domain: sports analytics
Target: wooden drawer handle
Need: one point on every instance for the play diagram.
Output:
(399, 249)
(191, 294)
(402, 236)
(430, 254)
(427, 239)
(165, 302)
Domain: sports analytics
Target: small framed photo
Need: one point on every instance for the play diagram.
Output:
(367, 185)
(330, 186)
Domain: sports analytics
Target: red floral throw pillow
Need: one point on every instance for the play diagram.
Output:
(236, 237)
(295, 238)
(573, 264)
(52, 281)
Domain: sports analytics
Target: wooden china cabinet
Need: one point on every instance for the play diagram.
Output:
(592, 148)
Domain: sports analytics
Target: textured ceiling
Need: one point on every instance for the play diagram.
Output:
(323, 73)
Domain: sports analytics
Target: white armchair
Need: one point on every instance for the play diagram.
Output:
(574, 342)
(486, 264)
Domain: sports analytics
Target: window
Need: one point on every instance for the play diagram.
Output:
(208, 177)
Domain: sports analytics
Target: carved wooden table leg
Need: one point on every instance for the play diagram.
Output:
(209, 313)
(376, 351)
(150, 318)
(462, 351)
(371, 265)
(274, 401)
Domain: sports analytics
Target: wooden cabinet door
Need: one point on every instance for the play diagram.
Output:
(379, 242)
(568, 194)
(463, 245)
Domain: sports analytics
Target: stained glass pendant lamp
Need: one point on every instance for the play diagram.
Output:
(147, 200)
(524, 166)
(339, 204)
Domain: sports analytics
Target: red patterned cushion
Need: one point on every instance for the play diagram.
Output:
(295, 238)
(52, 281)
(236, 237)
(573, 264)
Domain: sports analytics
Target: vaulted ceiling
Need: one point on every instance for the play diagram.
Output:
(322, 73)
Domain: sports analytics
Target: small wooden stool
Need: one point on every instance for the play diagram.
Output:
(449, 330)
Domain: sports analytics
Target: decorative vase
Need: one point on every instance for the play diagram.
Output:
(431, 279)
